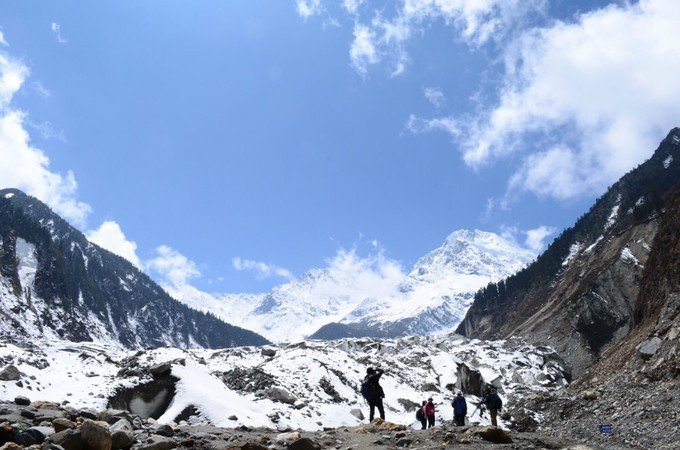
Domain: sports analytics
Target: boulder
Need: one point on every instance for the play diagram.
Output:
(21, 400)
(491, 434)
(162, 430)
(289, 437)
(95, 435)
(67, 439)
(156, 442)
(10, 373)
(160, 369)
(122, 434)
(304, 444)
(269, 352)
(590, 395)
(356, 412)
(87, 414)
(61, 424)
(29, 437)
(648, 348)
(279, 395)
(11, 446)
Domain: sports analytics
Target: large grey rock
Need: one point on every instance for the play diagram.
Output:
(648, 348)
(30, 437)
(96, 435)
(356, 412)
(122, 434)
(68, 439)
(304, 444)
(61, 424)
(491, 434)
(10, 373)
(279, 395)
(156, 442)
(21, 400)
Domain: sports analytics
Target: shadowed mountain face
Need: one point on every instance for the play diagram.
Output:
(55, 283)
(580, 294)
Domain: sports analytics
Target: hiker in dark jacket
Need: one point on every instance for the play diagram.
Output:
(429, 412)
(420, 415)
(494, 404)
(375, 393)
(459, 409)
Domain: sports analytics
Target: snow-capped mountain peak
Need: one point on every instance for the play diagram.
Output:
(374, 296)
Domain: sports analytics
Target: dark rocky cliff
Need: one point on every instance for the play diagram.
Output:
(54, 282)
(580, 294)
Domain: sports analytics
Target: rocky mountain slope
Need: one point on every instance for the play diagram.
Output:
(581, 295)
(333, 303)
(55, 283)
(634, 385)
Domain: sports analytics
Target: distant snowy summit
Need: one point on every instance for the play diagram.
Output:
(348, 299)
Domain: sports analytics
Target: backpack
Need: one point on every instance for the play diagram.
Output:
(420, 414)
(367, 390)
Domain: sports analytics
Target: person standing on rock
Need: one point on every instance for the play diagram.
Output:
(459, 409)
(494, 404)
(429, 412)
(373, 392)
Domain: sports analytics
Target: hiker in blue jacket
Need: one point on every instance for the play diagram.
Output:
(459, 409)
(373, 392)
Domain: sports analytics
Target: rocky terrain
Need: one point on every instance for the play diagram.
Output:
(49, 426)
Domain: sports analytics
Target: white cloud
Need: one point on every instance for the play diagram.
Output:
(535, 238)
(262, 270)
(308, 8)
(172, 266)
(448, 124)
(352, 6)
(47, 130)
(40, 89)
(2, 39)
(604, 89)
(24, 166)
(435, 96)
(353, 276)
(362, 53)
(56, 29)
(110, 236)
(475, 22)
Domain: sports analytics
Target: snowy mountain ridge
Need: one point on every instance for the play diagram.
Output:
(373, 296)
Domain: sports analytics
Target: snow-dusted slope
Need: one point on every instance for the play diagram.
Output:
(308, 385)
(380, 300)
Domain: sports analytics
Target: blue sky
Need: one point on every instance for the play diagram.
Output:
(238, 144)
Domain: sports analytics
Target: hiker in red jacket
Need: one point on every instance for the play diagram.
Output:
(429, 412)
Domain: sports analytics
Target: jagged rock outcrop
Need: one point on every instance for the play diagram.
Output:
(55, 283)
(580, 295)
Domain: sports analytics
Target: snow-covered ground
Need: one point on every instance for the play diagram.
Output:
(319, 380)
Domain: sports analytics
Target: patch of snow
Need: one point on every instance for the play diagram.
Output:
(593, 245)
(627, 255)
(28, 263)
(573, 251)
(676, 139)
(640, 201)
(611, 220)
(9, 195)
(667, 162)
